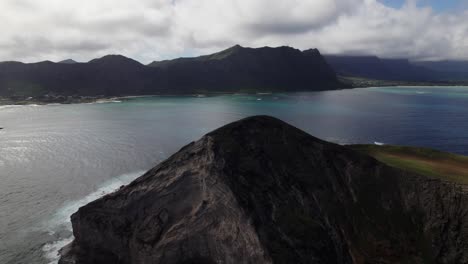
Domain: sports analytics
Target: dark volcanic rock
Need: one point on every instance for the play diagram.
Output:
(261, 191)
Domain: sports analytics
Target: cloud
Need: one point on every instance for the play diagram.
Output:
(158, 29)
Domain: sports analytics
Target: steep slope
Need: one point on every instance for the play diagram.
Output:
(381, 69)
(261, 191)
(248, 69)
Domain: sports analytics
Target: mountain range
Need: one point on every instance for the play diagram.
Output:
(233, 70)
(236, 69)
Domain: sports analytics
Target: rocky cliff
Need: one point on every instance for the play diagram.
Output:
(261, 191)
(251, 69)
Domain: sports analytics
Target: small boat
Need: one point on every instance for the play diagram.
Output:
(378, 143)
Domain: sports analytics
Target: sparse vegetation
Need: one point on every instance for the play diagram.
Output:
(428, 162)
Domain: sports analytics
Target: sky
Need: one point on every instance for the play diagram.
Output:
(148, 30)
(437, 5)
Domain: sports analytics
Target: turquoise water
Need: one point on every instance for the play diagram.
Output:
(56, 158)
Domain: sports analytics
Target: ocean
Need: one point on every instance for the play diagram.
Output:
(56, 158)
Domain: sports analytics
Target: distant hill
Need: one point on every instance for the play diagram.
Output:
(231, 70)
(381, 69)
(445, 65)
(373, 67)
(447, 69)
(105, 76)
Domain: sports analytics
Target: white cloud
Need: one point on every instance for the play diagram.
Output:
(156, 29)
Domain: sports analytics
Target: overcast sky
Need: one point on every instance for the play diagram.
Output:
(148, 30)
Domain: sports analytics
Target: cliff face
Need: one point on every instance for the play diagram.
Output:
(261, 191)
(248, 69)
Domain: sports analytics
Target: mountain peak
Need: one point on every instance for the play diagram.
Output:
(312, 52)
(115, 59)
(237, 46)
(68, 61)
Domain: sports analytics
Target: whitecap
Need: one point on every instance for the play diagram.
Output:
(10, 106)
(61, 219)
(51, 250)
(107, 101)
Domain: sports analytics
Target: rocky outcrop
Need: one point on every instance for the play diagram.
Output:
(261, 191)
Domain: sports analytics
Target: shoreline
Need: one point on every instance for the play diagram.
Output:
(66, 100)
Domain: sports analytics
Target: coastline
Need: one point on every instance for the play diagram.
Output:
(64, 100)
(361, 82)
(57, 100)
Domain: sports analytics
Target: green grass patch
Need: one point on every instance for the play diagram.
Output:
(428, 162)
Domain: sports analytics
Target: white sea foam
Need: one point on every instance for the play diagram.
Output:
(18, 106)
(10, 106)
(51, 250)
(105, 101)
(61, 219)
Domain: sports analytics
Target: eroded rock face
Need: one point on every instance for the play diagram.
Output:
(261, 191)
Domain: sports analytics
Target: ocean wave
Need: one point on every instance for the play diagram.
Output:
(10, 106)
(60, 221)
(18, 106)
(51, 250)
(107, 101)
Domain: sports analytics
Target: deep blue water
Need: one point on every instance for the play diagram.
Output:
(56, 158)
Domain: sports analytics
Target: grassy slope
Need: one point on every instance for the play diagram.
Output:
(428, 162)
